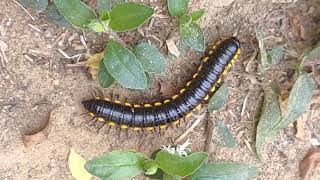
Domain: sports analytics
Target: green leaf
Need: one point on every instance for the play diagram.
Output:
(275, 88)
(183, 166)
(38, 5)
(225, 171)
(270, 116)
(116, 165)
(150, 167)
(263, 52)
(170, 177)
(185, 20)
(178, 8)
(128, 16)
(104, 5)
(219, 98)
(275, 55)
(56, 17)
(104, 15)
(76, 12)
(108, 4)
(105, 79)
(298, 101)
(124, 67)
(95, 26)
(224, 136)
(150, 57)
(196, 15)
(193, 36)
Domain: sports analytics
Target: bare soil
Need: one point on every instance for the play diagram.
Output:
(36, 82)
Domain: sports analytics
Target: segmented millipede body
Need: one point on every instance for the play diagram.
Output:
(203, 85)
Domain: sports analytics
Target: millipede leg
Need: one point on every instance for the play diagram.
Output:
(119, 134)
(99, 128)
(85, 113)
(108, 130)
(127, 133)
(92, 121)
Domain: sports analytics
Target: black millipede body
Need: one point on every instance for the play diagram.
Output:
(203, 85)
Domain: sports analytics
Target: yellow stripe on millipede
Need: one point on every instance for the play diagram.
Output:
(188, 115)
(147, 105)
(225, 72)
(219, 80)
(182, 90)
(166, 101)
(111, 123)
(100, 119)
(213, 89)
(175, 122)
(195, 75)
(163, 126)
(136, 129)
(149, 128)
(123, 126)
(157, 104)
(175, 96)
(107, 99)
(127, 104)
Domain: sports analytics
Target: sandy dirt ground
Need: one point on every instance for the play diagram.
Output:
(36, 81)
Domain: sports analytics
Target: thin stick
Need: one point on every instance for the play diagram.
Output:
(195, 124)
(35, 28)
(209, 133)
(244, 104)
(24, 9)
(67, 56)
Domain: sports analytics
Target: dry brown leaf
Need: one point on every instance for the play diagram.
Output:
(309, 163)
(172, 47)
(302, 131)
(94, 73)
(38, 137)
(93, 61)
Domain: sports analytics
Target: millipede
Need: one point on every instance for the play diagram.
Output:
(204, 83)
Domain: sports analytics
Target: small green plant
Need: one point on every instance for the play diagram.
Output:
(272, 119)
(168, 163)
(119, 64)
(128, 68)
(190, 31)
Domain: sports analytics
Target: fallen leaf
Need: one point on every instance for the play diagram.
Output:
(302, 132)
(93, 61)
(173, 49)
(76, 165)
(93, 72)
(38, 137)
(309, 163)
